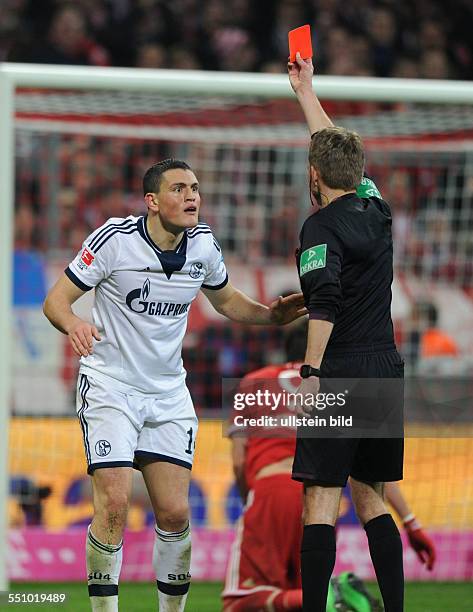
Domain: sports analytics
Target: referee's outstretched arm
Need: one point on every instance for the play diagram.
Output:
(300, 77)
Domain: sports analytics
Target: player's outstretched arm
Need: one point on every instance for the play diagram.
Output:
(238, 307)
(418, 539)
(300, 76)
(57, 308)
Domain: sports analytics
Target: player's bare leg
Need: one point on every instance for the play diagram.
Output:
(112, 488)
(384, 541)
(318, 544)
(168, 487)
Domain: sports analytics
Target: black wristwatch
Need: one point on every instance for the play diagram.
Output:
(307, 371)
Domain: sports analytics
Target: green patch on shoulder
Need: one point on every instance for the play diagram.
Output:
(367, 189)
(313, 259)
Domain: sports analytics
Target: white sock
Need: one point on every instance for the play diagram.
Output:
(171, 562)
(104, 562)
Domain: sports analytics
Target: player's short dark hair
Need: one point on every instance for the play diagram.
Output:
(153, 176)
(338, 155)
(295, 343)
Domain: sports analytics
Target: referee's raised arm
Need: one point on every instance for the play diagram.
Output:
(300, 76)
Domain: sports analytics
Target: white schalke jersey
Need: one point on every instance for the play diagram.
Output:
(142, 300)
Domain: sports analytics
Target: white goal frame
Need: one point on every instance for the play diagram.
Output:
(158, 81)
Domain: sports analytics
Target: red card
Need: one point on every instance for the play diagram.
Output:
(300, 40)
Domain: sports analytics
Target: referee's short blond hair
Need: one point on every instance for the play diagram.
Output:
(338, 155)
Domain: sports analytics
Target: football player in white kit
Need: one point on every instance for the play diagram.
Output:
(132, 401)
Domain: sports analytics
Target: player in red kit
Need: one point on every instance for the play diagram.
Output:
(263, 571)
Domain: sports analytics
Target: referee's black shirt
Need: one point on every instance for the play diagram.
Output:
(345, 265)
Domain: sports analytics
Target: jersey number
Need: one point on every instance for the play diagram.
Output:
(190, 433)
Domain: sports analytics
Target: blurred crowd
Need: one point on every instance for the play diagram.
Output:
(61, 198)
(412, 38)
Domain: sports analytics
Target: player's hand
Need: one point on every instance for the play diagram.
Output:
(81, 335)
(287, 309)
(421, 543)
(300, 73)
(306, 394)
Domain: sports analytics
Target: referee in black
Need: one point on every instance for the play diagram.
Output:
(346, 271)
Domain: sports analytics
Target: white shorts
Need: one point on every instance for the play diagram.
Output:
(119, 429)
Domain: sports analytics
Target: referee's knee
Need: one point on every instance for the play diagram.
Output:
(367, 500)
(367, 513)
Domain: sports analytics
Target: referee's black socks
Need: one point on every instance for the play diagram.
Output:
(317, 563)
(386, 553)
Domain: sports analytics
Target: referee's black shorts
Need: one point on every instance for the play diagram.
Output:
(330, 461)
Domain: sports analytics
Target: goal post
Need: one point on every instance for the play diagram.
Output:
(122, 103)
(6, 244)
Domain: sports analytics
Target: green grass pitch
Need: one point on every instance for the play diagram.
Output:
(205, 597)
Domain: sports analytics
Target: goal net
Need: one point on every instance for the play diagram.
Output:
(80, 155)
